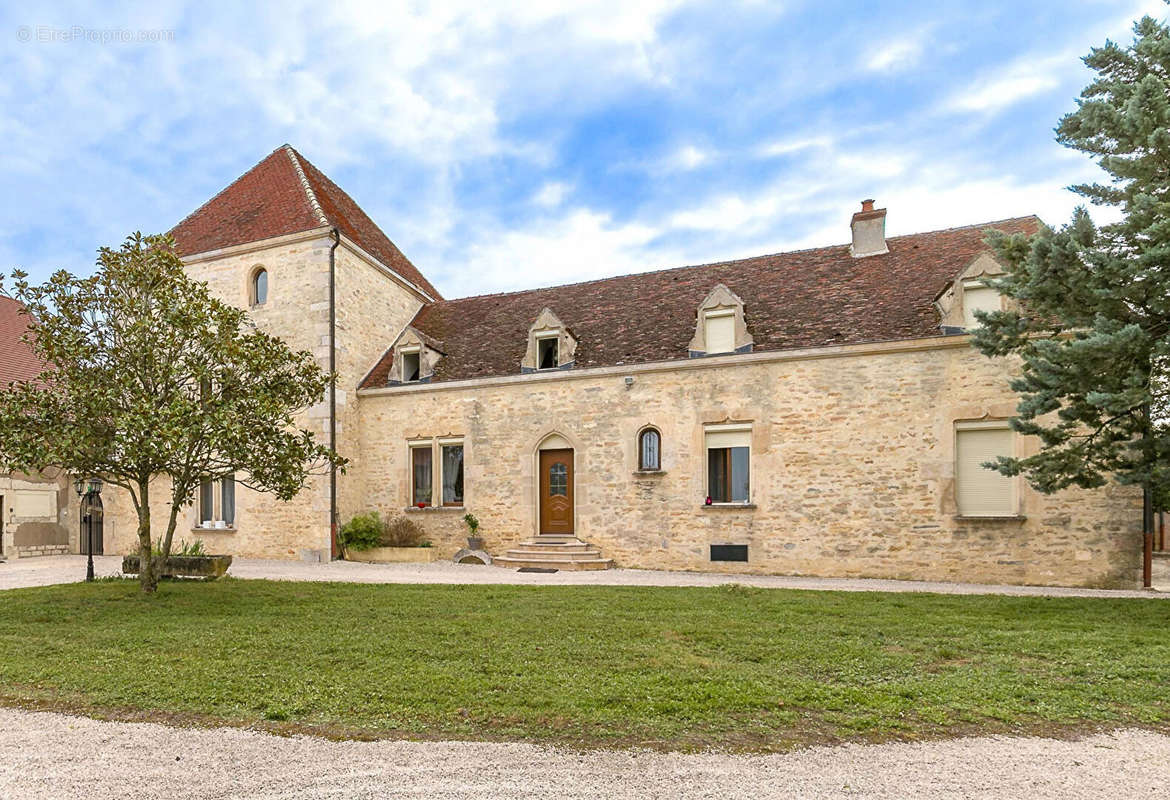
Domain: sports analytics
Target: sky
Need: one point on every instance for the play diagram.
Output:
(505, 146)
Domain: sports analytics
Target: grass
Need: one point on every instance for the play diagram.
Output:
(676, 668)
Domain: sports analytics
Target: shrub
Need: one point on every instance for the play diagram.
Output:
(195, 548)
(402, 532)
(472, 523)
(362, 532)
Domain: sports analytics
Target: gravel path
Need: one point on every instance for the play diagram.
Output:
(45, 755)
(65, 569)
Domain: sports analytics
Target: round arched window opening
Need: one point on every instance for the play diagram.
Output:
(650, 450)
(259, 288)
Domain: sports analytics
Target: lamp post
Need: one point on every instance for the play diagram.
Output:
(88, 491)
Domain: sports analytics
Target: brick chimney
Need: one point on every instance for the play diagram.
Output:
(869, 231)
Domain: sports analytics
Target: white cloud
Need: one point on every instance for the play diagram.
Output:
(897, 54)
(1029, 77)
(551, 194)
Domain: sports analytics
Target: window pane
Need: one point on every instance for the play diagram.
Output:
(649, 455)
(227, 505)
(558, 480)
(717, 475)
(453, 474)
(421, 459)
(206, 502)
(740, 478)
(261, 287)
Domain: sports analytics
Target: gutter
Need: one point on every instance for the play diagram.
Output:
(336, 234)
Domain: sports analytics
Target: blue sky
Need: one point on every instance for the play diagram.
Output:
(523, 145)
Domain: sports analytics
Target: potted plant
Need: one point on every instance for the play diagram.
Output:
(474, 540)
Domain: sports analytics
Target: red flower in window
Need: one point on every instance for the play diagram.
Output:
(708, 500)
(422, 505)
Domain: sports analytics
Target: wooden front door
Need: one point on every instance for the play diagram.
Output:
(556, 492)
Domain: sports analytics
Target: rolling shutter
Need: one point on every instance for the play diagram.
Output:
(720, 333)
(979, 298)
(982, 492)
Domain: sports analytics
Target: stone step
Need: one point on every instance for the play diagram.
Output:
(555, 547)
(542, 555)
(544, 563)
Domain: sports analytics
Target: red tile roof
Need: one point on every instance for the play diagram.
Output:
(807, 298)
(285, 194)
(17, 360)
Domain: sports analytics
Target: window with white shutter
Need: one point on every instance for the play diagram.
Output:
(720, 331)
(978, 297)
(982, 492)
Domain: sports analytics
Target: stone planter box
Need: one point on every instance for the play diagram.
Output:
(393, 555)
(210, 567)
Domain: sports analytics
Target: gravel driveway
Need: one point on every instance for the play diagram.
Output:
(66, 569)
(45, 755)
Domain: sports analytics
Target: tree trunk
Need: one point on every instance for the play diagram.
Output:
(148, 570)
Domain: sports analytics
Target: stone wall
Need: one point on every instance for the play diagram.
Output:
(851, 472)
(370, 304)
(34, 515)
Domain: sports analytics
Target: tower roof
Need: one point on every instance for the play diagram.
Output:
(284, 194)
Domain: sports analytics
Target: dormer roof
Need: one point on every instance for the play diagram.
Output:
(808, 298)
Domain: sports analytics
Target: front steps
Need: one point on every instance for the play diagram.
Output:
(554, 552)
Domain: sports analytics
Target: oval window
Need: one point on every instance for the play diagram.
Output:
(558, 480)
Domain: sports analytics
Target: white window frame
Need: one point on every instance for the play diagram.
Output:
(412, 350)
(450, 441)
(543, 336)
(217, 507)
(411, 446)
(717, 313)
(730, 427)
(1013, 503)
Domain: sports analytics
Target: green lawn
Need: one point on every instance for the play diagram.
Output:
(676, 668)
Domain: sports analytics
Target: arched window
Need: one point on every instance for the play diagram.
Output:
(259, 288)
(650, 450)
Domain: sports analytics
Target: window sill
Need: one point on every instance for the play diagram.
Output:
(728, 506)
(417, 510)
(648, 473)
(990, 518)
(205, 529)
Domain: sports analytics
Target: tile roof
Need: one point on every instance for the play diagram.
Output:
(807, 298)
(17, 360)
(285, 194)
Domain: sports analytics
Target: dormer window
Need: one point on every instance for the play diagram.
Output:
(720, 331)
(547, 351)
(978, 296)
(720, 326)
(411, 365)
(415, 358)
(551, 345)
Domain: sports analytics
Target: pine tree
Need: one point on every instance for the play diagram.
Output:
(1091, 325)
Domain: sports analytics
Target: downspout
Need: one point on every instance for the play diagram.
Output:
(333, 393)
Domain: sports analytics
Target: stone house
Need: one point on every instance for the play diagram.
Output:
(34, 509)
(818, 412)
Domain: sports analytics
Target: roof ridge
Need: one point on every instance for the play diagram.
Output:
(217, 195)
(662, 270)
(295, 158)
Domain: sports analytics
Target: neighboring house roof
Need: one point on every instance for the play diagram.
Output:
(286, 194)
(807, 298)
(18, 362)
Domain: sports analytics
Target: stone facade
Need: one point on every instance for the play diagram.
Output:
(34, 516)
(369, 301)
(852, 467)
